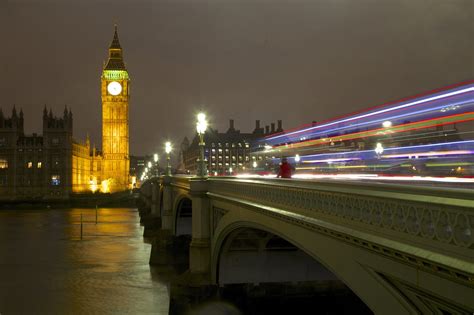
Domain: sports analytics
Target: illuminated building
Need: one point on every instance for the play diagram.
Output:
(227, 152)
(54, 165)
(115, 90)
(48, 166)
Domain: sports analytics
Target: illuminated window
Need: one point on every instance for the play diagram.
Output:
(55, 180)
(220, 150)
(246, 145)
(233, 145)
(30, 164)
(39, 165)
(3, 163)
(227, 145)
(213, 150)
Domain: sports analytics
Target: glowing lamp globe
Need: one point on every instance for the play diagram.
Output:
(168, 147)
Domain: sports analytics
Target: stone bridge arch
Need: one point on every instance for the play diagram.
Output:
(384, 285)
(182, 215)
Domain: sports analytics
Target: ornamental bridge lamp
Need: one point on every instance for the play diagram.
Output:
(157, 169)
(168, 158)
(201, 127)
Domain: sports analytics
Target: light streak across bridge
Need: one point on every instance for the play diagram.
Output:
(426, 138)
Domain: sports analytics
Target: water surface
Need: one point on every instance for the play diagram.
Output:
(45, 267)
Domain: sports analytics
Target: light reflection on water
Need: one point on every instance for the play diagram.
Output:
(45, 268)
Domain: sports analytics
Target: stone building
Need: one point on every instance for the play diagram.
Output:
(51, 165)
(54, 165)
(226, 153)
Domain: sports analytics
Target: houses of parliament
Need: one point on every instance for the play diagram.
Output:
(54, 164)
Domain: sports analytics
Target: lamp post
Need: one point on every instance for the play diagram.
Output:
(168, 164)
(201, 127)
(157, 169)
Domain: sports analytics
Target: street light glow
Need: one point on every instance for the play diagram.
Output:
(201, 125)
(378, 148)
(168, 147)
(297, 158)
(155, 157)
(149, 164)
(201, 117)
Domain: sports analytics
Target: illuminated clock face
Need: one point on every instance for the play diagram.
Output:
(114, 88)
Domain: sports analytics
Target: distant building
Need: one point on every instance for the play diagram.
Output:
(137, 166)
(227, 152)
(51, 165)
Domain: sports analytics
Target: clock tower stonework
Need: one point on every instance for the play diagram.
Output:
(115, 91)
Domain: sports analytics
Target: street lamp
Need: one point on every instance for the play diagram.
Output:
(297, 158)
(168, 151)
(378, 149)
(201, 127)
(155, 159)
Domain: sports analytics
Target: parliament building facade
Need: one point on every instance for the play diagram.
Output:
(54, 165)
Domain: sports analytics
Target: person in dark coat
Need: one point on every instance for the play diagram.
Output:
(285, 169)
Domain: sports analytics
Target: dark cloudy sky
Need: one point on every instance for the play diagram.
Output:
(295, 60)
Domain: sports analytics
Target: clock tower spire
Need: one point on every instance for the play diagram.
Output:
(115, 61)
(115, 91)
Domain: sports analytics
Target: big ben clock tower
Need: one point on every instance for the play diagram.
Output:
(115, 90)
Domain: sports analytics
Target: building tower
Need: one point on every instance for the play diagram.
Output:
(115, 90)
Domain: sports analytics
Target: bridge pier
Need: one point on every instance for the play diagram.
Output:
(167, 206)
(152, 219)
(144, 206)
(167, 248)
(200, 251)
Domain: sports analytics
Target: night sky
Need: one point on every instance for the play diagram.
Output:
(292, 60)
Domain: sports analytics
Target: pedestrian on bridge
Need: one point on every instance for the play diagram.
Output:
(285, 169)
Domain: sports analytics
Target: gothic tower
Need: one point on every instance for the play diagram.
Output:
(115, 90)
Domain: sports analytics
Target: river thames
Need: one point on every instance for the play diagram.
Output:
(45, 267)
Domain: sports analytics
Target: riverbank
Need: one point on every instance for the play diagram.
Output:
(123, 199)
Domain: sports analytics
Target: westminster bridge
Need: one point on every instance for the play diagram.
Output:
(400, 249)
